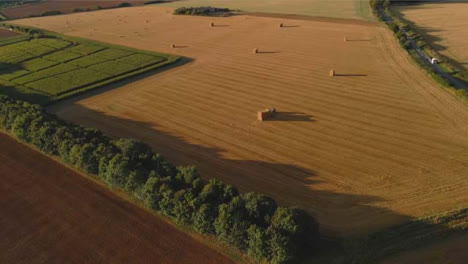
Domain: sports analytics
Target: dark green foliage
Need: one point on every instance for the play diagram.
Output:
(203, 219)
(231, 224)
(203, 11)
(125, 4)
(260, 208)
(251, 222)
(258, 248)
(51, 13)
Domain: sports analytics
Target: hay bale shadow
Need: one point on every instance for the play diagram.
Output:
(291, 116)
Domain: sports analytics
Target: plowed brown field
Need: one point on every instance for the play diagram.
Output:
(445, 26)
(50, 214)
(7, 33)
(372, 147)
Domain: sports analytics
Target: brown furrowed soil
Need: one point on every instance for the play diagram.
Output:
(451, 251)
(7, 33)
(64, 6)
(374, 146)
(51, 214)
(445, 26)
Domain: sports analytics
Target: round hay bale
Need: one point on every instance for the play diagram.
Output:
(281, 25)
(172, 45)
(255, 51)
(211, 24)
(331, 73)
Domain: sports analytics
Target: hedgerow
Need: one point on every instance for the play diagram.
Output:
(252, 222)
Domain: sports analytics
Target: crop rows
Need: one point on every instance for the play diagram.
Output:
(56, 66)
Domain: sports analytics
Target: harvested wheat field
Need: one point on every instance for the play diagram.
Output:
(445, 26)
(51, 214)
(373, 146)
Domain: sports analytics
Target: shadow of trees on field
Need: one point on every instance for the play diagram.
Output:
(290, 116)
(289, 184)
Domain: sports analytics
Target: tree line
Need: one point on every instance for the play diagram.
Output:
(252, 222)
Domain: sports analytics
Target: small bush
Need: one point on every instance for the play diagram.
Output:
(51, 13)
(125, 4)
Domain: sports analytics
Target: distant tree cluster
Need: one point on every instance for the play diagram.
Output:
(203, 11)
(51, 13)
(252, 222)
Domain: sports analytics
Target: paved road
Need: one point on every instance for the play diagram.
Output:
(426, 58)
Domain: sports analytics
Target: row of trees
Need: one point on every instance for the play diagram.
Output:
(252, 222)
(203, 11)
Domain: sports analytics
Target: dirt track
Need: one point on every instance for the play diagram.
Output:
(50, 214)
(377, 145)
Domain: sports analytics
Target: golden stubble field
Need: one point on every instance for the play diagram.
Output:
(445, 26)
(378, 145)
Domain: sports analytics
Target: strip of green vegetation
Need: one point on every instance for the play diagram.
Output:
(113, 68)
(407, 236)
(140, 60)
(59, 66)
(203, 11)
(113, 53)
(11, 40)
(38, 64)
(62, 56)
(86, 49)
(68, 81)
(252, 222)
(88, 61)
(48, 72)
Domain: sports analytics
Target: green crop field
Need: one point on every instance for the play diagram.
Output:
(46, 69)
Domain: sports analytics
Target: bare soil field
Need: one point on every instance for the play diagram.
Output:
(450, 251)
(51, 214)
(64, 6)
(374, 146)
(7, 33)
(444, 25)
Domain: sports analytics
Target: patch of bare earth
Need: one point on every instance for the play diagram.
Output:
(64, 6)
(51, 214)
